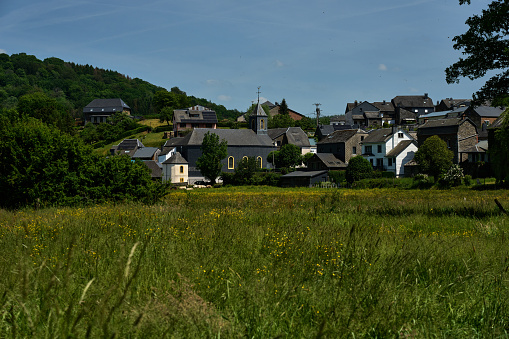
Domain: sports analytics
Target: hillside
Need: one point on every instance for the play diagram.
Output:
(74, 86)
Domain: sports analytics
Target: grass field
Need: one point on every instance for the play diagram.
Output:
(261, 263)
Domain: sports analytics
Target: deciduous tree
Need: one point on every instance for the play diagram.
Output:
(486, 46)
(358, 168)
(433, 157)
(213, 151)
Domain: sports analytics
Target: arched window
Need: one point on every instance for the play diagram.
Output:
(244, 158)
(231, 163)
(181, 169)
(262, 124)
(259, 160)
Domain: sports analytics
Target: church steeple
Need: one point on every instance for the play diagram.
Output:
(258, 119)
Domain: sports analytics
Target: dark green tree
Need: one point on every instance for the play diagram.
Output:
(245, 171)
(213, 152)
(486, 46)
(166, 114)
(283, 108)
(499, 149)
(288, 156)
(358, 168)
(281, 121)
(433, 157)
(307, 124)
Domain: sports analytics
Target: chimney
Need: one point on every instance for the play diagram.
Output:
(383, 102)
(425, 95)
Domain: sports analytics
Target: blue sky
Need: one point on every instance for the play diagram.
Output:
(322, 51)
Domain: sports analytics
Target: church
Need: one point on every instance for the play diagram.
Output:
(254, 142)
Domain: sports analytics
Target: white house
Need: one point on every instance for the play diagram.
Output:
(388, 149)
(176, 170)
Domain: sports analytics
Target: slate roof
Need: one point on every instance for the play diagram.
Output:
(234, 137)
(304, 174)
(449, 102)
(387, 106)
(480, 147)
(296, 136)
(372, 115)
(155, 167)
(190, 116)
(488, 112)
(129, 144)
(176, 159)
(412, 101)
(442, 123)
(259, 111)
(338, 136)
(378, 135)
(330, 160)
(400, 147)
(145, 152)
(106, 106)
(273, 133)
(406, 115)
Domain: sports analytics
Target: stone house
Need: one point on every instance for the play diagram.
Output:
(290, 135)
(459, 134)
(344, 144)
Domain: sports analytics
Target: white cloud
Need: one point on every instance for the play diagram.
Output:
(3, 51)
(224, 98)
(279, 63)
(382, 67)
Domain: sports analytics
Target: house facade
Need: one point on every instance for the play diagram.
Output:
(99, 110)
(344, 144)
(416, 104)
(459, 134)
(388, 149)
(185, 120)
(176, 170)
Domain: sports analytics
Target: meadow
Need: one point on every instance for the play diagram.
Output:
(260, 263)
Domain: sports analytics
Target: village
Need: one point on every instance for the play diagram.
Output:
(386, 133)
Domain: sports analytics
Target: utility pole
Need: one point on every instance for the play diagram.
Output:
(317, 114)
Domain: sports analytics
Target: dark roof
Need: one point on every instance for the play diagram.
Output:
(498, 123)
(129, 144)
(304, 174)
(480, 147)
(155, 167)
(259, 111)
(378, 135)
(190, 116)
(384, 106)
(400, 147)
(372, 115)
(234, 137)
(176, 159)
(273, 133)
(407, 115)
(269, 104)
(339, 136)
(330, 160)
(443, 123)
(412, 101)
(145, 152)
(296, 136)
(488, 112)
(173, 142)
(106, 106)
(456, 102)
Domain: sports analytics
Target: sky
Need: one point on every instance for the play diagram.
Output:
(323, 51)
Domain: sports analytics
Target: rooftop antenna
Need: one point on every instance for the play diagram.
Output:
(317, 114)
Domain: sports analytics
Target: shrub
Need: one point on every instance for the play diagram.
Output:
(467, 180)
(358, 168)
(453, 176)
(337, 176)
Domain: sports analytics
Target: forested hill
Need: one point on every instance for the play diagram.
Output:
(74, 86)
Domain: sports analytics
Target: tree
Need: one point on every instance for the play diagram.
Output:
(499, 149)
(487, 48)
(283, 108)
(288, 156)
(213, 151)
(307, 124)
(358, 168)
(433, 157)
(166, 114)
(281, 121)
(246, 170)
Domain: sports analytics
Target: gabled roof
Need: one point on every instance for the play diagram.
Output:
(304, 174)
(173, 142)
(155, 167)
(384, 105)
(295, 135)
(176, 159)
(400, 147)
(129, 144)
(378, 135)
(339, 136)
(106, 106)
(488, 112)
(190, 116)
(259, 111)
(449, 102)
(444, 123)
(330, 160)
(480, 147)
(234, 137)
(145, 152)
(412, 101)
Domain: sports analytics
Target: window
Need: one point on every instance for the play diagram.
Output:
(262, 124)
(379, 148)
(231, 163)
(181, 179)
(425, 111)
(362, 137)
(389, 160)
(371, 161)
(400, 135)
(354, 150)
(379, 163)
(259, 160)
(181, 169)
(368, 149)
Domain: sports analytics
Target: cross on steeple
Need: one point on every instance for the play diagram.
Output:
(259, 94)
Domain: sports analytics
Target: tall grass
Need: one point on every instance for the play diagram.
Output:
(259, 262)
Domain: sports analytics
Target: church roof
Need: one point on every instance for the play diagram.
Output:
(234, 137)
(176, 159)
(260, 111)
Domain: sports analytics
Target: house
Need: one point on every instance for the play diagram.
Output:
(388, 149)
(387, 111)
(126, 146)
(344, 144)
(242, 143)
(169, 148)
(417, 104)
(450, 104)
(324, 130)
(325, 161)
(338, 120)
(459, 134)
(483, 115)
(364, 114)
(303, 178)
(185, 120)
(99, 110)
(290, 135)
(478, 152)
(176, 170)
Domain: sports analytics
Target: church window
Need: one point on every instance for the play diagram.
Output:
(259, 160)
(181, 169)
(231, 163)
